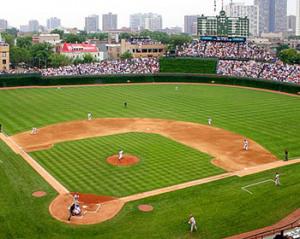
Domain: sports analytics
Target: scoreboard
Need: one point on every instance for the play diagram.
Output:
(223, 26)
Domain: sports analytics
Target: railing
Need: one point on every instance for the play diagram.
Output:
(273, 231)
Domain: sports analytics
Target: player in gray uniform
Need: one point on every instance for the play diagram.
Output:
(277, 179)
(246, 144)
(192, 222)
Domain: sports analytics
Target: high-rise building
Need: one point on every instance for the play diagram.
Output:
(242, 10)
(298, 18)
(33, 26)
(24, 28)
(190, 21)
(109, 22)
(147, 21)
(272, 15)
(291, 24)
(92, 23)
(3, 25)
(136, 22)
(53, 23)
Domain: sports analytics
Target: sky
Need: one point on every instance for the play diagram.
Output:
(73, 12)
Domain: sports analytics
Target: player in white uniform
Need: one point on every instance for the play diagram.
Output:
(246, 144)
(192, 222)
(209, 121)
(277, 180)
(120, 154)
(34, 131)
(90, 116)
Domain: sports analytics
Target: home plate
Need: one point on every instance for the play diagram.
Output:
(85, 206)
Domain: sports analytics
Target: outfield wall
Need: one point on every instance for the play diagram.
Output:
(38, 80)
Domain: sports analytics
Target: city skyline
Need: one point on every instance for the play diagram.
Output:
(73, 13)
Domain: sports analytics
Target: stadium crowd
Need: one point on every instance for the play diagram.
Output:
(129, 66)
(226, 50)
(270, 71)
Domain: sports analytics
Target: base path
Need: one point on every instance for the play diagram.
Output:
(223, 145)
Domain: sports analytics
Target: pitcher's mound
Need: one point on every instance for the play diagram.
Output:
(127, 160)
(145, 208)
(39, 194)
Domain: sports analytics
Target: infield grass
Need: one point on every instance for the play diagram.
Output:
(81, 165)
(221, 208)
(272, 120)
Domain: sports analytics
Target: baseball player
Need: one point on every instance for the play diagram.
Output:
(192, 222)
(246, 144)
(209, 121)
(120, 155)
(34, 131)
(76, 199)
(125, 104)
(277, 180)
(90, 116)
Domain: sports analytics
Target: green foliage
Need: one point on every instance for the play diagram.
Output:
(19, 55)
(77, 61)
(12, 31)
(24, 42)
(179, 40)
(57, 60)
(280, 48)
(188, 65)
(72, 38)
(126, 55)
(8, 38)
(290, 56)
(99, 35)
(125, 35)
(40, 54)
(88, 58)
(157, 36)
(58, 31)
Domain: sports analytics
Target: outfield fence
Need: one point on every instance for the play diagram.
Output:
(39, 80)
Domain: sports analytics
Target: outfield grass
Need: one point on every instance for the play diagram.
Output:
(270, 119)
(81, 165)
(221, 208)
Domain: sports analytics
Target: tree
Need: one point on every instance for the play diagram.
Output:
(72, 38)
(280, 48)
(19, 55)
(40, 54)
(125, 35)
(100, 36)
(8, 38)
(57, 60)
(60, 32)
(179, 40)
(289, 56)
(88, 58)
(126, 55)
(77, 61)
(12, 31)
(24, 42)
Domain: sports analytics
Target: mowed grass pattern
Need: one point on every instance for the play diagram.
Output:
(81, 165)
(270, 119)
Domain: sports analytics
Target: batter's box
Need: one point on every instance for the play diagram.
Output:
(247, 188)
(91, 208)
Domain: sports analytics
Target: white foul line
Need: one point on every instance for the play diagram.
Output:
(253, 184)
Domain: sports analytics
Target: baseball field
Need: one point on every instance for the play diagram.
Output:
(165, 126)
